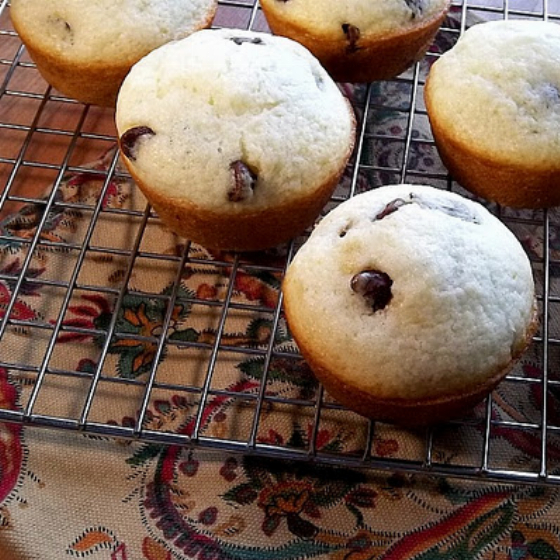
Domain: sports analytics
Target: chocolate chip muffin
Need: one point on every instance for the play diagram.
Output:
(237, 138)
(85, 48)
(494, 105)
(410, 303)
(359, 40)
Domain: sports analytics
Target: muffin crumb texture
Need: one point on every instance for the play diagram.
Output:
(357, 17)
(240, 120)
(501, 83)
(90, 32)
(85, 49)
(359, 40)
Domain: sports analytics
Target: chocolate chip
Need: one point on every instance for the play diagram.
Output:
(451, 208)
(416, 7)
(393, 206)
(129, 140)
(241, 40)
(352, 35)
(243, 182)
(374, 286)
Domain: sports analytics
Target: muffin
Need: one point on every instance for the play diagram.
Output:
(85, 49)
(494, 106)
(359, 40)
(410, 303)
(236, 138)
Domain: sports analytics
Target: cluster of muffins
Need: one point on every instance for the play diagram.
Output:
(410, 303)
(85, 48)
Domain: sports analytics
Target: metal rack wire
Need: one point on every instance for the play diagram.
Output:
(46, 138)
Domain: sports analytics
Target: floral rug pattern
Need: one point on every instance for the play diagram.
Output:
(102, 498)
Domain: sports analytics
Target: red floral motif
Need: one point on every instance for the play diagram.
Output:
(229, 469)
(273, 438)
(323, 438)
(254, 289)
(119, 553)
(206, 291)
(11, 450)
(87, 316)
(386, 447)
(20, 311)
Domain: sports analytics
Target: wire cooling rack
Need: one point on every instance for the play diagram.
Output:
(112, 327)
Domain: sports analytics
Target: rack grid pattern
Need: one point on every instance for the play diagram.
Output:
(46, 138)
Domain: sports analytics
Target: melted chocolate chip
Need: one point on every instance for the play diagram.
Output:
(243, 182)
(393, 206)
(352, 35)
(129, 140)
(241, 40)
(374, 286)
(451, 208)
